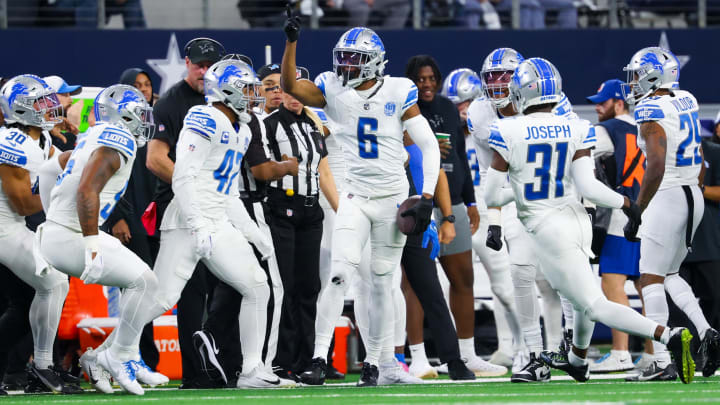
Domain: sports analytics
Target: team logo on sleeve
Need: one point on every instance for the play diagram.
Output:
(225, 138)
(390, 109)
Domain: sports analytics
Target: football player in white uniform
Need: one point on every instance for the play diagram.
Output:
(546, 158)
(30, 106)
(670, 199)
(94, 179)
(206, 219)
(462, 87)
(373, 111)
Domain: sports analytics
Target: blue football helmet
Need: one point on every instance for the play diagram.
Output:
(127, 107)
(235, 84)
(28, 100)
(650, 69)
(462, 85)
(359, 56)
(496, 72)
(535, 81)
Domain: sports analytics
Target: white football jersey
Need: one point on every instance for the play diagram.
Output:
(63, 199)
(539, 149)
(19, 150)
(370, 132)
(678, 116)
(480, 116)
(215, 183)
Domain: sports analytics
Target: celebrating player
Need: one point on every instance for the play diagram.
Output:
(546, 157)
(372, 112)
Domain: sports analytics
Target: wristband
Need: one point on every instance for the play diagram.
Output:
(494, 216)
(472, 204)
(92, 243)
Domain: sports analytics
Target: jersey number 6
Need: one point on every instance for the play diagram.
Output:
(367, 127)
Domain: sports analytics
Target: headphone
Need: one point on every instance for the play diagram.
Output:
(214, 42)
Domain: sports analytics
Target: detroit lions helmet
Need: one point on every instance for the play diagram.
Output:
(563, 108)
(650, 69)
(535, 81)
(359, 56)
(126, 106)
(497, 69)
(233, 83)
(462, 85)
(28, 100)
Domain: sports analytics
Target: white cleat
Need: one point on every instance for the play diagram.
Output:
(423, 369)
(146, 376)
(520, 360)
(442, 369)
(615, 361)
(482, 368)
(393, 373)
(99, 378)
(122, 373)
(258, 378)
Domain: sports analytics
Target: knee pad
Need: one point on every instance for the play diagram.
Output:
(383, 267)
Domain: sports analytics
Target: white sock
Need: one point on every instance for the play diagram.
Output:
(665, 337)
(467, 348)
(656, 308)
(576, 360)
(552, 313)
(533, 339)
(45, 312)
(568, 312)
(253, 323)
(683, 296)
(135, 301)
(582, 330)
(417, 353)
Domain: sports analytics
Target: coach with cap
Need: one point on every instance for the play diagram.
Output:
(169, 113)
(64, 134)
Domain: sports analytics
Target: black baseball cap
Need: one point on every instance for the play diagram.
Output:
(204, 49)
(268, 70)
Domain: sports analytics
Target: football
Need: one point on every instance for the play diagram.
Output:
(406, 224)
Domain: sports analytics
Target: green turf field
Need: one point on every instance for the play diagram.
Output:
(605, 389)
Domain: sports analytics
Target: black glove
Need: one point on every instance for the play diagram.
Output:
(292, 25)
(422, 211)
(592, 213)
(494, 237)
(634, 215)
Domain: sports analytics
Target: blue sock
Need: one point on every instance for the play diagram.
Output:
(400, 357)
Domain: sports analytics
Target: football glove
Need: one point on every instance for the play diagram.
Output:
(203, 243)
(494, 237)
(292, 25)
(634, 215)
(422, 212)
(93, 267)
(431, 236)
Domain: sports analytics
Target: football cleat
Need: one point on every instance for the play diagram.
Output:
(458, 371)
(643, 361)
(393, 373)
(423, 369)
(482, 368)
(285, 374)
(566, 342)
(147, 376)
(317, 373)
(204, 344)
(46, 376)
(655, 372)
(258, 378)
(368, 376)
(679, 348)
(710, 348)
(560, 361)
(98, 377)
(615, 361)
(122, 372)
(534, 371)
(334, 374)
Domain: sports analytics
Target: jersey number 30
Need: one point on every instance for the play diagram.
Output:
(543, 172)
(367, 138)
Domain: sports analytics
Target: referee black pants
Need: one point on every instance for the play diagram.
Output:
(421, 272)
(297, 231)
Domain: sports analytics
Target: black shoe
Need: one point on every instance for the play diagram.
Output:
(566, 342)
(560, 361)
(534, 371)
(459, 371)
(3, 392)
(15, 381)
(334, 374)
(71, 383)
(43, 380)
(679, 347)
(284, 373)
(368, 376)
(710, 348)
(656, 373)
(317, 373)
(204, 344)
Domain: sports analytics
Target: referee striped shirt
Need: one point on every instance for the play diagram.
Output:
(257, 153)
(296, 135)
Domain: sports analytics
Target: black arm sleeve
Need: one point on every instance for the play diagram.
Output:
(468, 190)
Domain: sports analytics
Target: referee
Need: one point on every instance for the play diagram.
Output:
(169, 113)
(297, 224)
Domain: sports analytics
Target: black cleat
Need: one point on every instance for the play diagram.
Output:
(286, 374)
(51, 379)
(204, 344)
(334, 374)
(15, 381)
(656, 373)
(679, 347)
(317, 373)
(566, 342)
(534, 371)
(459, 371)
(368, 376)
(710, 348)
(560, 361)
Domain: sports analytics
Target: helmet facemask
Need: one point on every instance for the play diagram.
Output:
(355, 67)
(496, 84)
(27, 100)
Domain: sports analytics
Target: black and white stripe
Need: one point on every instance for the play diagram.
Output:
(257, 152)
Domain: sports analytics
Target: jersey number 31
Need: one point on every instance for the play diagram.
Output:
(543, 172)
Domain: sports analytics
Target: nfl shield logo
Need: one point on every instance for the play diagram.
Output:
(289, 212)
(366, 106)
(389, 109)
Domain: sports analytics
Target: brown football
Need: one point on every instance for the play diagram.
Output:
(406, 224)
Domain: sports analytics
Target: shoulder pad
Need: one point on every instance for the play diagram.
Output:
(117, 138)
(648, 110)
(406, 91)
(12, 151)
(199, 119)
(322, 80)
(496, 139)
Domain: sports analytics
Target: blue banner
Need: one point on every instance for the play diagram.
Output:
(585, 58)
